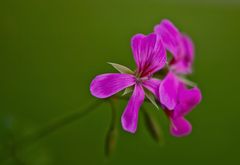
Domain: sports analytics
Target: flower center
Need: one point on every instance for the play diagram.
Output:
(139, 80)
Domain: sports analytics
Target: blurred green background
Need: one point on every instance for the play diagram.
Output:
(51, 49)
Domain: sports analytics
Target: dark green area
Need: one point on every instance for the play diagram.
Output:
(51, 49)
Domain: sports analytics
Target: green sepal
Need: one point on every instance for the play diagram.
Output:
(127, 91)
(121, 68)
(151, 98)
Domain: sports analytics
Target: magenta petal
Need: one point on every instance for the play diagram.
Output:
(149, 53)
(153, 86)
(106, 85)
(169, 35)
(180, 127)
(130, 115)
(184, 63)
(188, 99)
(136, 48)
(168, 91)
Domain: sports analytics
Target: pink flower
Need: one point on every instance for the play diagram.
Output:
(180, 46)
(150, 57)
(178, 101)
(174, 95)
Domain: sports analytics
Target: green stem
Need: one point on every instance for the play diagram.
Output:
(51, 128)
(114, 113)
(63, 121)
(111, 137)
(58, 124)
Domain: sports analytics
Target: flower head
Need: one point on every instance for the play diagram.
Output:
(179, 44)
(182, 100)
(149, 53)
(150, 57)
(174, 95)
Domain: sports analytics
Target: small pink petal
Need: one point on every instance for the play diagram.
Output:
(153, 86)
(183, 64)
(170, 36)
(168, 91)
(136, 48)
(188, 100)
(130, 115)
(180, 127)
(149, 53)
(106, 85)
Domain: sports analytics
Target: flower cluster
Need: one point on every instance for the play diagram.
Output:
(172, 91)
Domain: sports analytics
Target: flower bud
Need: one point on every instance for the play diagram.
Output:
(111, 140)
(153, 127)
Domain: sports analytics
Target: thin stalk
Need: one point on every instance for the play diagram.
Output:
(59, 123)
(114, 112)
(52, 127)
(111, 137)
(153, 127)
